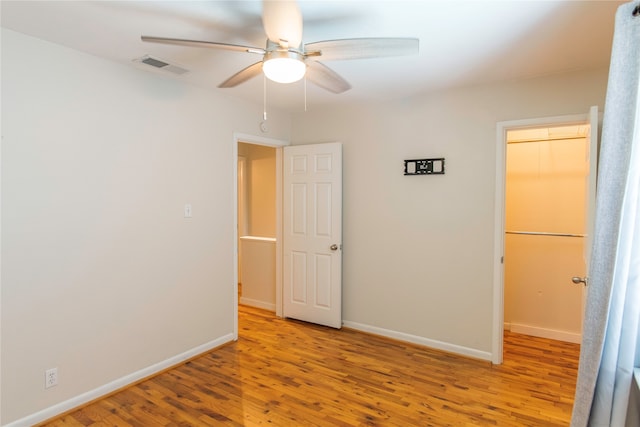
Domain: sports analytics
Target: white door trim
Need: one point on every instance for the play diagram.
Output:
(498, 252)
(278, 144)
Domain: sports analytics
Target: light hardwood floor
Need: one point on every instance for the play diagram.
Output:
(288, 373)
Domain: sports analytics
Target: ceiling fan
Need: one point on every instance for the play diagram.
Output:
(285, 59)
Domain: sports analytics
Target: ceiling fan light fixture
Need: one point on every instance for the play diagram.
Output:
(283, 66)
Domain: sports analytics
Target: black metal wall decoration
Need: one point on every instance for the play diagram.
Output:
(424, 166)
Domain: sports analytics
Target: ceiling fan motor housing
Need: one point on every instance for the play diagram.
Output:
(283, 65)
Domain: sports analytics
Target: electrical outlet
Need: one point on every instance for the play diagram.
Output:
(50, 377)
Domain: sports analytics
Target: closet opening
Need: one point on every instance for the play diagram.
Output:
(544, 211)
(546, 204)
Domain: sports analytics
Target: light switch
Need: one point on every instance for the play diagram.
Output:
(187, 210)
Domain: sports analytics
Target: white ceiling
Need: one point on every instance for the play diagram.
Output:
(461, 42)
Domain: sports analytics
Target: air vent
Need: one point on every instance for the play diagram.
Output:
(161, 65)
(154, 62)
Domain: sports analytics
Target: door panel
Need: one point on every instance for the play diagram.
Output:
(322, 284)
(298, 281)
(299, 209)
(323, 213)
(313, 233)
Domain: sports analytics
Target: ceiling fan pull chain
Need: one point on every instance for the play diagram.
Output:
(263, 123)
(264, 98)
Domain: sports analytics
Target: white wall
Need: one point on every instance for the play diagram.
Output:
(418, 250)
(102, 277)
(261, 188)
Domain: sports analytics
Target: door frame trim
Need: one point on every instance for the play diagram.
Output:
(278, 144)
(499, 219)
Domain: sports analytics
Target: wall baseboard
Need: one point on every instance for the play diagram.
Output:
(120, 383)
(438, 345)
(544, 332)
(258, 304)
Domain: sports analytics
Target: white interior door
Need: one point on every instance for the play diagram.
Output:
(592, 144)
(312, 233)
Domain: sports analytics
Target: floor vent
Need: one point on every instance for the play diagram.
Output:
(161, 65)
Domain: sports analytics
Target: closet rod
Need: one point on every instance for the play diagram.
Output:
(555, 138)
(542, 233)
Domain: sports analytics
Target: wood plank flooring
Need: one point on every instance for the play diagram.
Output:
(288, 373)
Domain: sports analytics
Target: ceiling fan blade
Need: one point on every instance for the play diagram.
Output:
(282, 21)
(243, 75)
(323, 76)
(332, 50)
(200, 43)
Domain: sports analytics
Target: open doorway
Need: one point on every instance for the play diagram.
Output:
(257, 225)
(585, 125)
(241, 213)
(546, 186)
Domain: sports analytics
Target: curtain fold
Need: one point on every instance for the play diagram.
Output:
(610, 345)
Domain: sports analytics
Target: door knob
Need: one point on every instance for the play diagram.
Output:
(577, 280)
(333, 247)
